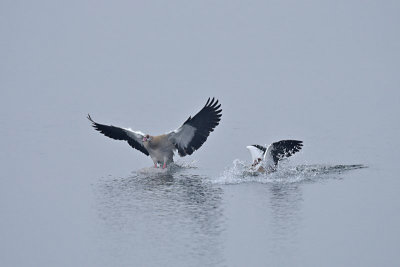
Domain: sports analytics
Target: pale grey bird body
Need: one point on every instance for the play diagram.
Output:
(160, 148)
(186, 139)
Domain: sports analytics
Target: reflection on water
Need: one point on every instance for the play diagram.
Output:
(155, 217)
(285, 202)
(161, 216)
(283, 191)
(285, 206)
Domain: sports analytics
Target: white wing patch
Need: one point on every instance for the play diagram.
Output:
(136, 135)
(268, 159)
(255, 152)
(183, 135)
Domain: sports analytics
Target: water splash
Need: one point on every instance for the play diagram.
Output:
(240, 172)
(185, 164)
(172, 168)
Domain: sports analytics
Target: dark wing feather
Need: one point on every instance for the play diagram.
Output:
(284, 149)
(194, 131)
(117, 133)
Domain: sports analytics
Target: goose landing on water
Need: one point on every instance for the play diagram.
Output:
(186, 139)
(266, 159)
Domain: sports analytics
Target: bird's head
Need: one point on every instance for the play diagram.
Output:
(147, 138)
(256, 161)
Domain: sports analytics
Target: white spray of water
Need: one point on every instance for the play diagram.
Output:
(171, 168)
(241, 172)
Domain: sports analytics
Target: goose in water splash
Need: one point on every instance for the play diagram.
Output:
(266, 159)
(186, 139)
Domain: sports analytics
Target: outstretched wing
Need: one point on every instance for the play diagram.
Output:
(194, 131)
(283, 149)
(133, 138)
(256, 151)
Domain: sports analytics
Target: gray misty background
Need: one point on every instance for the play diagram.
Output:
(325, 72)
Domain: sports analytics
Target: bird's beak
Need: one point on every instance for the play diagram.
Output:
(144, 139)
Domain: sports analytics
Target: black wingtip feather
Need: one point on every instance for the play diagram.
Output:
(89, 118)
(117, 133)
(260, 148)
(285, 148)
(205, 122)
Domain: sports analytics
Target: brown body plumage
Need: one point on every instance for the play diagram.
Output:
(160, 148)
(185, 140)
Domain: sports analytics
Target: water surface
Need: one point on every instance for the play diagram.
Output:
(323, 73)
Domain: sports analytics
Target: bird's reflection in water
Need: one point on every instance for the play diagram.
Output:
(174, 215)
(285, 213)
(285, 205)
(286, 200)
